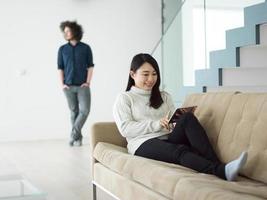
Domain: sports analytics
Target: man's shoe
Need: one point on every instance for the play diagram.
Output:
(71, 142)
(79, 143)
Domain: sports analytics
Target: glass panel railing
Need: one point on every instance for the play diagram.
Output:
(198, 27)
(170, 10)
(220, 17)
(157, 54)
(172, 61)
(193, 22)
(168, 51)
(205, 23)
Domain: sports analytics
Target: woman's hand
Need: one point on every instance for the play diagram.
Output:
(164, 122)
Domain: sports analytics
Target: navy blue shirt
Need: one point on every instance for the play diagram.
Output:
(74, 61)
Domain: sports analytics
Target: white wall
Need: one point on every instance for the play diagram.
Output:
(32, 105)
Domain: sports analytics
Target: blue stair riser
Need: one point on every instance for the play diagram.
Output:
(241, 37)
(221, 58)
(230, 57)
(256, 14)
(184, 91)
(207, 77)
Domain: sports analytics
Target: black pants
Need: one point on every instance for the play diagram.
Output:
(187, 145)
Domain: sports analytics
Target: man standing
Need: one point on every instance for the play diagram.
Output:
(75, 65)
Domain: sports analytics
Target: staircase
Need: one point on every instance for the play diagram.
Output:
(242, 66)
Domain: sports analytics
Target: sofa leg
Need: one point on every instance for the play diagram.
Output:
(94, 191)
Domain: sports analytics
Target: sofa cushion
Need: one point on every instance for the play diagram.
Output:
(209, 188)
(159, 176)
(174, 181)
(122, 187)
(245, 128)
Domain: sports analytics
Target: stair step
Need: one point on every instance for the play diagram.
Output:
(243, 88)
(255, 14)
(242, 36)
(263, 34)
(221, 58)
(207, 76)
(183, 91)
(244, 76)
(255, 55)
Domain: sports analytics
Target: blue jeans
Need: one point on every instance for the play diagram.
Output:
(79, 102)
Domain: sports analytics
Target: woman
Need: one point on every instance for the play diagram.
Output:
(141, 114)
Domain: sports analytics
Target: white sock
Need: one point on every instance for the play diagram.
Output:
(232, 168)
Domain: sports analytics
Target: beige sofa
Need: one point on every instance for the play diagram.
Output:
(234, 122)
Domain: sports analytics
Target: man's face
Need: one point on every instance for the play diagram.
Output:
(68, 34)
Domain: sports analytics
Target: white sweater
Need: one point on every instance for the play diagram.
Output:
(136, 120)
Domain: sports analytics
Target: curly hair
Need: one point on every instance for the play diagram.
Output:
(76, 29)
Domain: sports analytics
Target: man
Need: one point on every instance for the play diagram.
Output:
(75, 65)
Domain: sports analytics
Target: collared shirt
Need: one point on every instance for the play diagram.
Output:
(74, 61)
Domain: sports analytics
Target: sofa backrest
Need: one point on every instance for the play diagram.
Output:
(245, 128)
(236, 122)
(210, 112)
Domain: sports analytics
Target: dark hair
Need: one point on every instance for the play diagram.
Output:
(76, 29)
(138, 60)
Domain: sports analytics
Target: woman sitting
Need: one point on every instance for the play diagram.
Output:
(141, 115)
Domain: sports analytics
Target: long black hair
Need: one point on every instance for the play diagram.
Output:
(138, 60)
(76, 29)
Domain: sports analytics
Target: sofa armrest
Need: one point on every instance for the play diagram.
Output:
(104, 132)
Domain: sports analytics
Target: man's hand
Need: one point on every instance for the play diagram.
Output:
(85, 85)
(65, 87)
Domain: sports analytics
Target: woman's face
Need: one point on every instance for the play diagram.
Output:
(68, 34)
(145, 77)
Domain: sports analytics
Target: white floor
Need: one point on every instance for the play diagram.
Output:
(61, 171)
